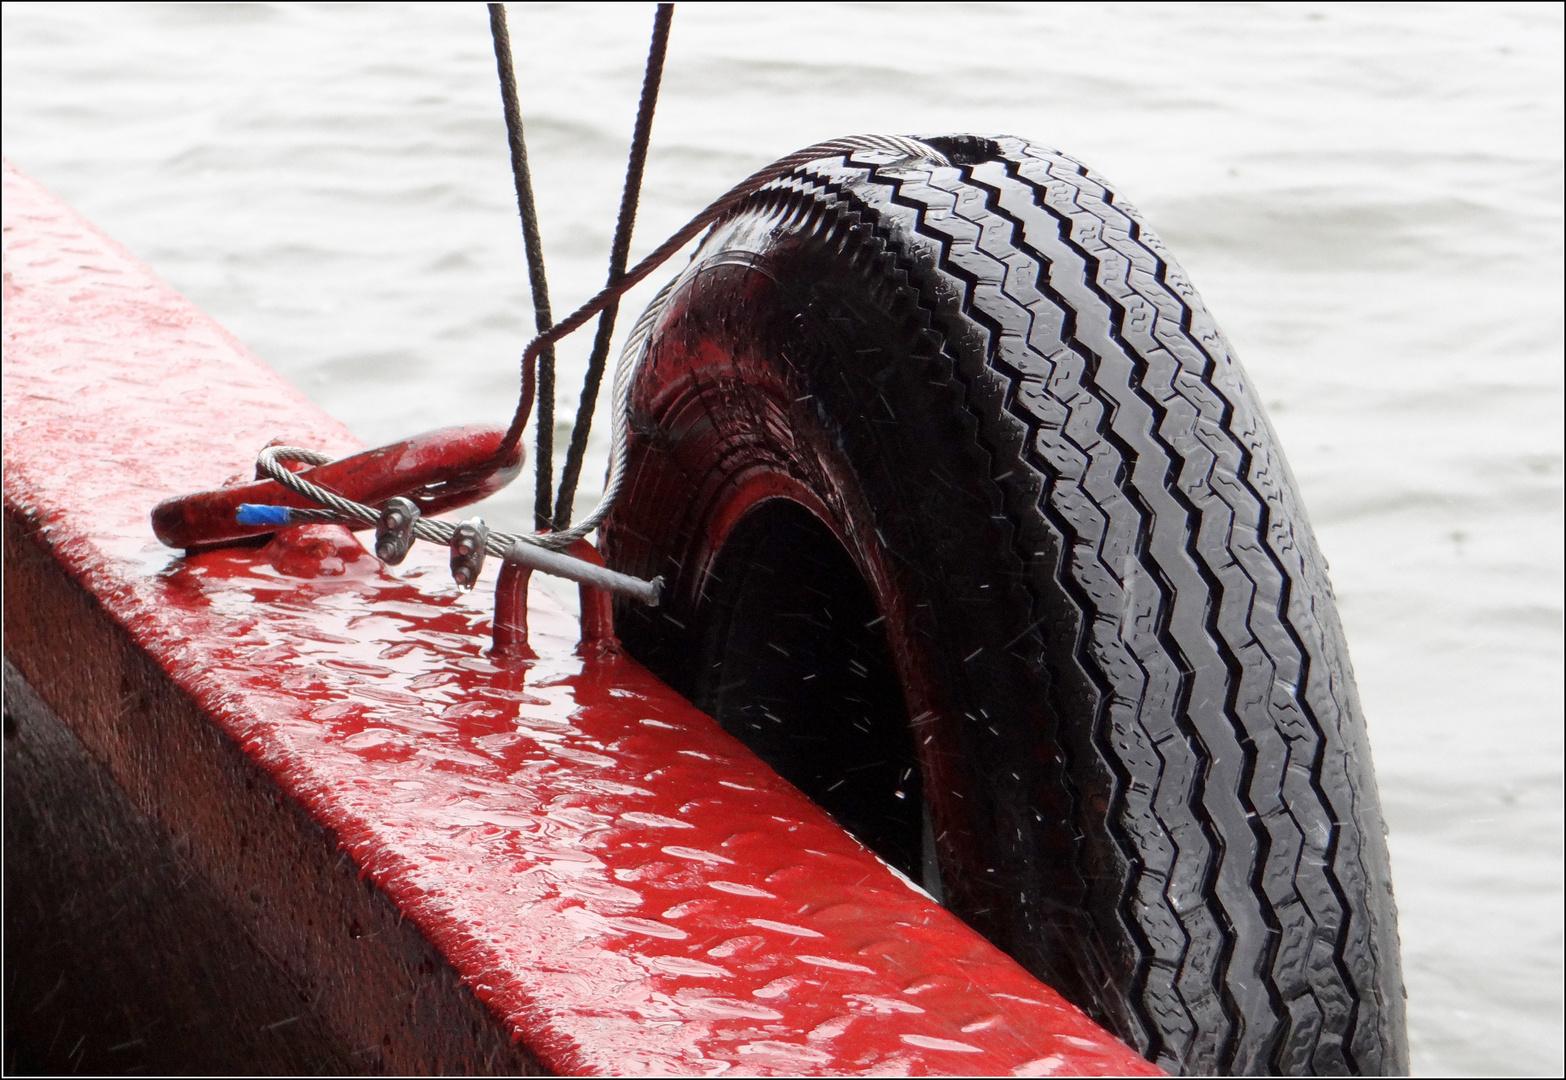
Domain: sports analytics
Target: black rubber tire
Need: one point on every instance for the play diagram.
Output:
(1142, 746)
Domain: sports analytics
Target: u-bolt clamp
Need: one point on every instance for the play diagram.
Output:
(584, 566)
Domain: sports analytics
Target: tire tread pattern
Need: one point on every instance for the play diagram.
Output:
(1255, 914)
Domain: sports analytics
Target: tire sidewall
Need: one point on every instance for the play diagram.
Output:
(785, 368)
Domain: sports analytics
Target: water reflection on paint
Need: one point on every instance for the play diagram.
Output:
(682, 876)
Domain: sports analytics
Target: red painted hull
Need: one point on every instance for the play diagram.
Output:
(619, 884)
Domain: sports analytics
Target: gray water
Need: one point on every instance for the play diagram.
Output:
(1369, 198)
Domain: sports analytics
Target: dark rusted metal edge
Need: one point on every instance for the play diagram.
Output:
(248, 897)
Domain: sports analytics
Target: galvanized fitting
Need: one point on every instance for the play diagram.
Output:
(585, 573)
(468, 542)
(394, 531)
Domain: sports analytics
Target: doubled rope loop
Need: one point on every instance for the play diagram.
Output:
(635, 347)
(897, 144)
(270, 460)
(538, 359)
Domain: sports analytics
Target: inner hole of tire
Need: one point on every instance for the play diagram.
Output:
(794, 663)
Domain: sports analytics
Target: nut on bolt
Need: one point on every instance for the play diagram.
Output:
(394, 532)
(468, 543)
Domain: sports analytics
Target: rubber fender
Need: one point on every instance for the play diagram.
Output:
(975, 529)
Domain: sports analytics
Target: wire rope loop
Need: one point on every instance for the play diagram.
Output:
(634, 350)
(269, 461)
(469, 541)
(896, 144)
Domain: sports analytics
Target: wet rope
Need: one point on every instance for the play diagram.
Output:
(635, 348)
(543, 461)
(631, 356)
(895, 144)
(618, 256)
(538, 357)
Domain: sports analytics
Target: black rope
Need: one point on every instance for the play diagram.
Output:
(909, 149)
(619, 255)
(543, 463)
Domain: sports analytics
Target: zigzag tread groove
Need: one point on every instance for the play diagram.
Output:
(1225, 643)
(1145, 490)
(1164, 412)
(1164, 668)
(1241, 404)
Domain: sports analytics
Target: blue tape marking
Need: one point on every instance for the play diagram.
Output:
(262, 514)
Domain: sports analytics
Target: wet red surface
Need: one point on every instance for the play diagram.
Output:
(624, 885)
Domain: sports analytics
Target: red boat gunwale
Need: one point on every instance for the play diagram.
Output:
(460, 863)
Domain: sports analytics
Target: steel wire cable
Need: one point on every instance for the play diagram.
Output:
(538, 358)
(631, 356)
(341, 509)
(897, 144)
(634, 350)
